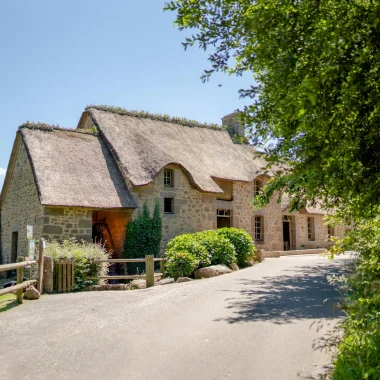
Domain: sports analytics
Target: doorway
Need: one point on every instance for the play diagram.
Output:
(288, 232)
(109, 228)
(14, 249)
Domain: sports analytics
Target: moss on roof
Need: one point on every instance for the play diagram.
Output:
(52, 127)
(165, 118)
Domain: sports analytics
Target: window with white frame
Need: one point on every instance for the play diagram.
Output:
(168, 177)
(310, 229)
(259, 228)
(257, 186)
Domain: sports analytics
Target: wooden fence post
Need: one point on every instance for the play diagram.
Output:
(149, 269)
(20, 273)
(162, 267)
(40, 283)
(59, 276)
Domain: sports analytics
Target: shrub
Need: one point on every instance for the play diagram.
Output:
(242, 242)
(188, 243)
(81, 253)
(219, 248)
(207, 247)
(358, 352)
(181, 264)
(143, 237)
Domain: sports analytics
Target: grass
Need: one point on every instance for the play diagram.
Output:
(7, 301)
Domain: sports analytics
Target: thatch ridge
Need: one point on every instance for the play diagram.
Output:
(44, 127)
(159, 117)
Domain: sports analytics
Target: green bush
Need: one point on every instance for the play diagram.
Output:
(143, 237)
(219, 248)
(224, 246)
(181, 264)
(81, 253)
(359, 350)
(242, 242)
(188, 243)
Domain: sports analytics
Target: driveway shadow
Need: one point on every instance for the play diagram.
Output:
(285, 298)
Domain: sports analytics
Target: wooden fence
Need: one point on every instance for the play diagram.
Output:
(20, 266)
(64, 275)
(149, 276)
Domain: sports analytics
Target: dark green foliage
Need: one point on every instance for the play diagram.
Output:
(181, 264)
(219, 248)
(208, 248)
(191, 244)
(315, 92)
(83, 269)
(143, 237)
(242, 242)
(359, 351)
(315, 98)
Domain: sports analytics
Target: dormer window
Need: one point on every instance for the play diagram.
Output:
(257, 186)
(168, 177)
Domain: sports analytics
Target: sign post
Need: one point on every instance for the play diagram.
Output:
(31, 242)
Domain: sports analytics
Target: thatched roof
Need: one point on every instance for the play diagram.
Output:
(309, 209)
(74, 169)
(144, 145)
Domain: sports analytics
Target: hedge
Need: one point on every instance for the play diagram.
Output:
(188, 252)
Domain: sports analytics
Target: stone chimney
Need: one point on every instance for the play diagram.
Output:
(236, 128)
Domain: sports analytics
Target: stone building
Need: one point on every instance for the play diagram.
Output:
(88, 183)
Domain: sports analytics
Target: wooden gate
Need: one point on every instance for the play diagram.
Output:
(64, 275)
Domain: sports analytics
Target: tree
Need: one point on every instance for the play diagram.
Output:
(143, 237)
(316, 98)
(315, 94)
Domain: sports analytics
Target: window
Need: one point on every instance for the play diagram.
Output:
(168, 177)
(223, 218)
(330, 232)
(168, 206)
(310, 229)
(257, 186)
(259, 228)
(223, 213)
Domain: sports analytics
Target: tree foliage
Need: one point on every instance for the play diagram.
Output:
(315, 91)
(143, 237)
(316, 104)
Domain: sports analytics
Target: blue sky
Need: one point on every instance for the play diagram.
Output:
(59, 56)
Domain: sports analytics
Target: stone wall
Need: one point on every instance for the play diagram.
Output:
(320, 231)
(21, 207)
(195, 211)
(302, 252)
(63, 223)
(272, 218)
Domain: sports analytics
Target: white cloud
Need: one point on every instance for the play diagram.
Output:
(3, 171)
